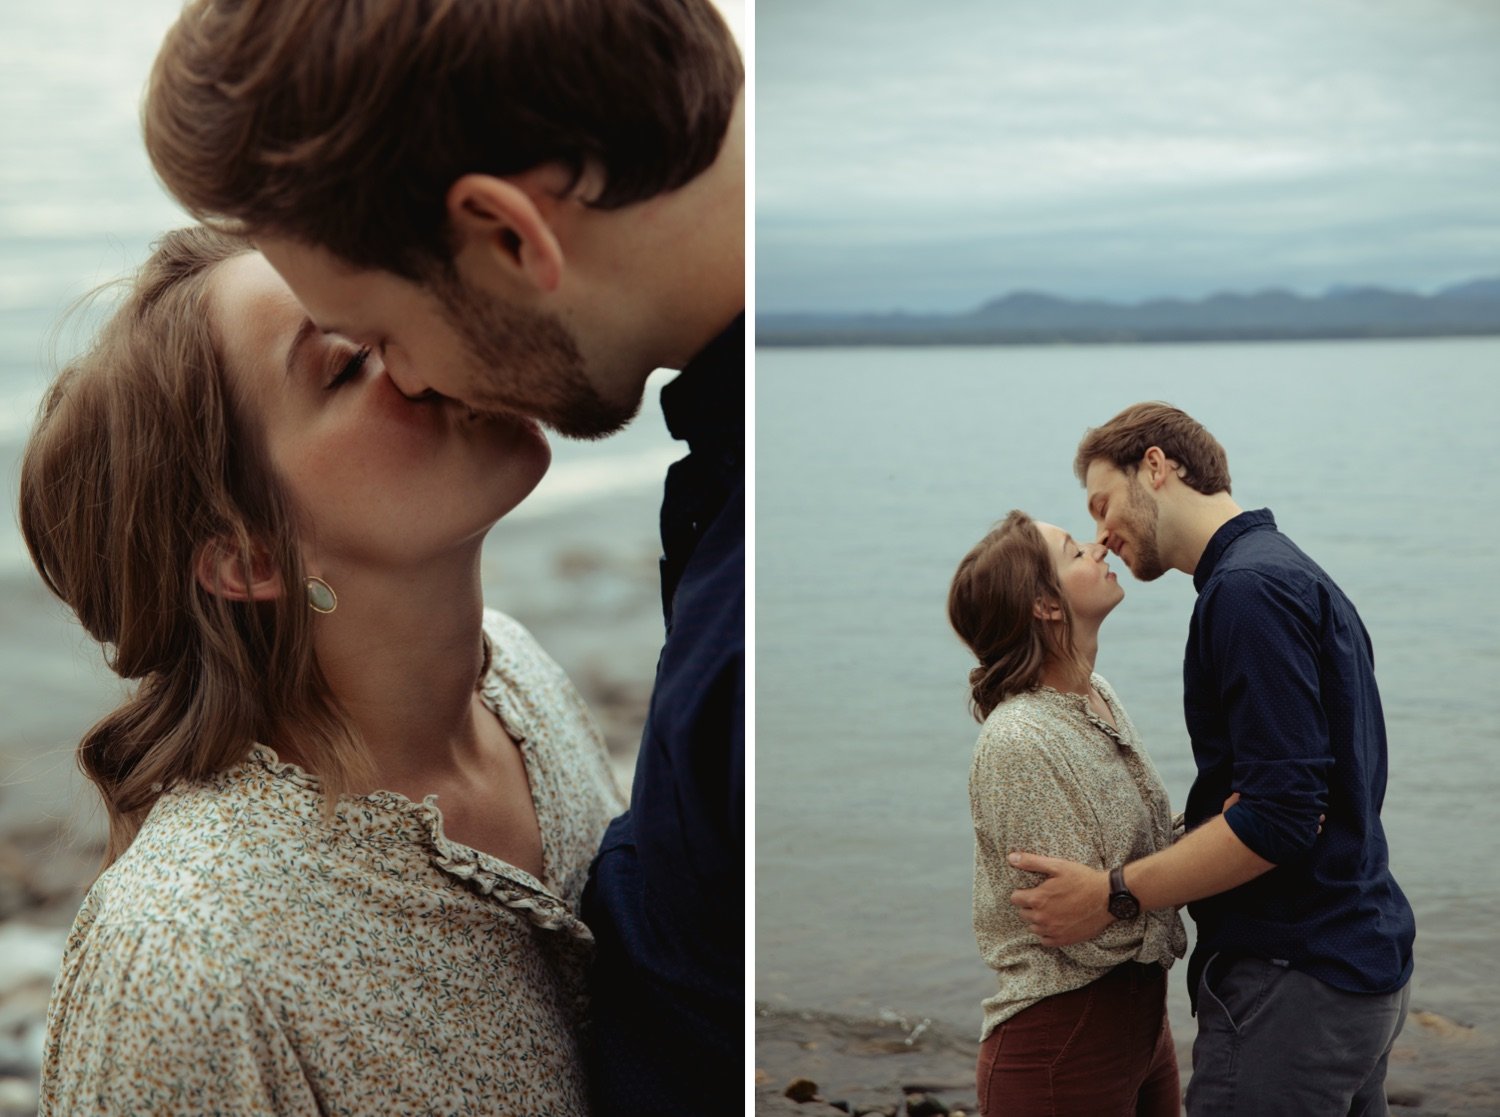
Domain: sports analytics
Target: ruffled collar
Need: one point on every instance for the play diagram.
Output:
(1080, 704)
(391, 816)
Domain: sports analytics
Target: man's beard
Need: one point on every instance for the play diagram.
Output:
(527, 362)
(1145, 561)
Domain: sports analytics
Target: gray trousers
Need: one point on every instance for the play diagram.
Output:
(1273, 1042)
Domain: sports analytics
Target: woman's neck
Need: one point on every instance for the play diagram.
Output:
(402, 654)
(1074, 678)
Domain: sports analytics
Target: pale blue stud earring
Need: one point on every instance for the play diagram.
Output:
(320, 596)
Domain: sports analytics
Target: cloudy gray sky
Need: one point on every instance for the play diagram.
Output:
(931, 156)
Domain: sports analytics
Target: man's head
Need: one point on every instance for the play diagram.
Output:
(1144, 472)
(552, 187)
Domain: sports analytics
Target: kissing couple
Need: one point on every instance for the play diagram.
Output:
(1300, 975)
(366, 854)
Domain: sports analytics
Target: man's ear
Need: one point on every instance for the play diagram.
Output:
(506, 220)
(1044, 610)
(1157, 467)
(220, 570)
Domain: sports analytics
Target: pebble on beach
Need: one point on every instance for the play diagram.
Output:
(801, 1089)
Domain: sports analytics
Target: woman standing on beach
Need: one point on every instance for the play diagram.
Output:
(283, 552)
(1078, 1030)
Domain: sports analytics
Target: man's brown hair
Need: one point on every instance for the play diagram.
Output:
(343, 123)
(1124, 440)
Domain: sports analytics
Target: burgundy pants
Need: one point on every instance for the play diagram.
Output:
(1101, 1051)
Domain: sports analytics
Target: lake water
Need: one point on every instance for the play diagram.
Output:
(877, 469)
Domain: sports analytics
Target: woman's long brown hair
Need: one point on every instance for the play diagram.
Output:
(991, 605)
(139, 460)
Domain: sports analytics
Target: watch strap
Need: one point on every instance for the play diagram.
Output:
(1122, 903)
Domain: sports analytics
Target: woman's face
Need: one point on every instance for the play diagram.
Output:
(1084, 574)
(379, 480)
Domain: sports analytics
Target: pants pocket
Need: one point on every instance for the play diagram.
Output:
(1085, 1008)
(994, 1057)
(1018, 1060)
(1237, 987)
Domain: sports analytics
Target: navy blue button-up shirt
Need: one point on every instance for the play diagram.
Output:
(665, 897)
(1282, 707)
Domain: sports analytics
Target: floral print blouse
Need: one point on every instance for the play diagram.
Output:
(1050, 777)
(245, 955)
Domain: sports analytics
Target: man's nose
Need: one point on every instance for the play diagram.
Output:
(403, 378)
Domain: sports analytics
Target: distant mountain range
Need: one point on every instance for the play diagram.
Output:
(1032, 318)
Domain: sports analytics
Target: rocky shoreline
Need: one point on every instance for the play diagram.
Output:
(44, 873)
(816, 1064)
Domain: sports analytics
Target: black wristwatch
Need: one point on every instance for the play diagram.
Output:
(1122, 903)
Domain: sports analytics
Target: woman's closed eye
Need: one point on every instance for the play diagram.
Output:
(350, 369)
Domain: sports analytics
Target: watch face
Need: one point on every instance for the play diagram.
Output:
(1122, 905)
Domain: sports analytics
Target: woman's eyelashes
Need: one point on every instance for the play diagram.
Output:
(350, 369)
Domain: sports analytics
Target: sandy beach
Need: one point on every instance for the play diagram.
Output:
(583, 579)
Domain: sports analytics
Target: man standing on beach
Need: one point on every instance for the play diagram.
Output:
(1300, 973)
(529, 207)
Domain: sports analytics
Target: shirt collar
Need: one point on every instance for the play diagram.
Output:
(1245, 522)
(706, 403)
